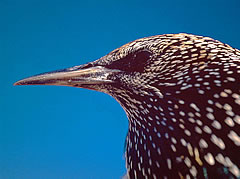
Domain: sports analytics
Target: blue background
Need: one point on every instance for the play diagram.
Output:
(69, 133)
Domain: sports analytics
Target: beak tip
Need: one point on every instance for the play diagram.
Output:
(20, 82)
(17, 83)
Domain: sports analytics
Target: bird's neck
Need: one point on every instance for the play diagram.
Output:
(155, 134)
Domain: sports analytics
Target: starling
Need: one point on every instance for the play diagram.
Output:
(181, 94)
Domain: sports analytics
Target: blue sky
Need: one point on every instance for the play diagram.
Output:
(62, 132)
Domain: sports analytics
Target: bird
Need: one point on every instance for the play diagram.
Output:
(181, 95)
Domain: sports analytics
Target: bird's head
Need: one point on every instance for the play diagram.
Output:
(152, 66)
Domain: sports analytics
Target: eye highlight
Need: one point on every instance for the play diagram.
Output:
(133, 62)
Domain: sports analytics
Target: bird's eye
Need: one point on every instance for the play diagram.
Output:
(133, 62)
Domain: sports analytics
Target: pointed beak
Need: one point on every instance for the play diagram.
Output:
(78, 76)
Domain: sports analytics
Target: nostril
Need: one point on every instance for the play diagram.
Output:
(85, 66)
(88, 65)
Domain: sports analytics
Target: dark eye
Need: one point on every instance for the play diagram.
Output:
(133, 62)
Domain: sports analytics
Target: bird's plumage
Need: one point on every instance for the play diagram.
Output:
(181, 94)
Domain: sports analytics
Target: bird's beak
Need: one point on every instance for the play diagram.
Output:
(78, 76)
